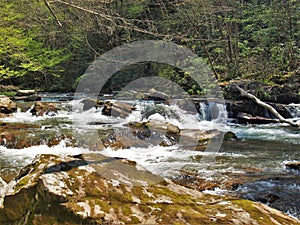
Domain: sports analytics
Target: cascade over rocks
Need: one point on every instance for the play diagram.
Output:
(93, 189)
(145, 134)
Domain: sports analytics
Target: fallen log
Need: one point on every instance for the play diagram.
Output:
(248, 118)
(267, 106)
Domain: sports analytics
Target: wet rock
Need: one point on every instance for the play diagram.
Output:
(157, 96)
(293, 165)
(26, 92)
(43, 108)
(4, 115)
(278, 192)
(288, 98)
(5, 88)
(230, 136)
(21, 135)
(28, 98)
(24, 106)
(99, 190)
(7, 106)
(271, 198)
(160, 109)
(90, 103)
(140, 130)
(226, 180)
(117, 109)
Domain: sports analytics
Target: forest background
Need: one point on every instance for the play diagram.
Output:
(48, 45)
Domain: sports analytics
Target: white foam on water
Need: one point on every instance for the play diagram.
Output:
(157, 159)
(26, 155)
(27, 117)
(265, 132)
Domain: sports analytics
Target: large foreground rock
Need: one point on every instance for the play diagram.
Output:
(93, 189)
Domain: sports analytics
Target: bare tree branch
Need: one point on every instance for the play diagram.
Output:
(267, 106)
(117, 21)
(50, 9)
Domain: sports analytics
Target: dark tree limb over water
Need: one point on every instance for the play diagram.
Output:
(267, 106)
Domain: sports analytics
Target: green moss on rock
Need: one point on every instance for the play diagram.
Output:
(67, 190)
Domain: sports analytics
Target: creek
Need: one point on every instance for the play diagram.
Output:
(256, 158)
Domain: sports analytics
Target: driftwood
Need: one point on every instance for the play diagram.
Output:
(267, 106)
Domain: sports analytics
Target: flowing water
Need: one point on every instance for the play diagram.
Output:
(258, 156)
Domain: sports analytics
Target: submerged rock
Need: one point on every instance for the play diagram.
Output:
(93, 189)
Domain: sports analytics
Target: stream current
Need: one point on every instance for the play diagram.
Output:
(258, 155)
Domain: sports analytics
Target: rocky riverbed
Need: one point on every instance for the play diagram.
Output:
(144, 162)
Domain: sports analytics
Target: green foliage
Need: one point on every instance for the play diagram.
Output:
(237, 39)
(23, 53)
(8, 93)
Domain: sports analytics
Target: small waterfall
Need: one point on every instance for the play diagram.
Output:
(212, 111)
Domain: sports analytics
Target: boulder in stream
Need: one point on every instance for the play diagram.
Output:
(7, 106)
(89, 103)
(293, 165)
(43, 108)
(117, 109)
(28, 98)
(26, 92)
(93, 189)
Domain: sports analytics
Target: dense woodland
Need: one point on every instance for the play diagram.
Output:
(48, 44)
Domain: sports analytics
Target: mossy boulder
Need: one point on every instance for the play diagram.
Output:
(93, 189)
